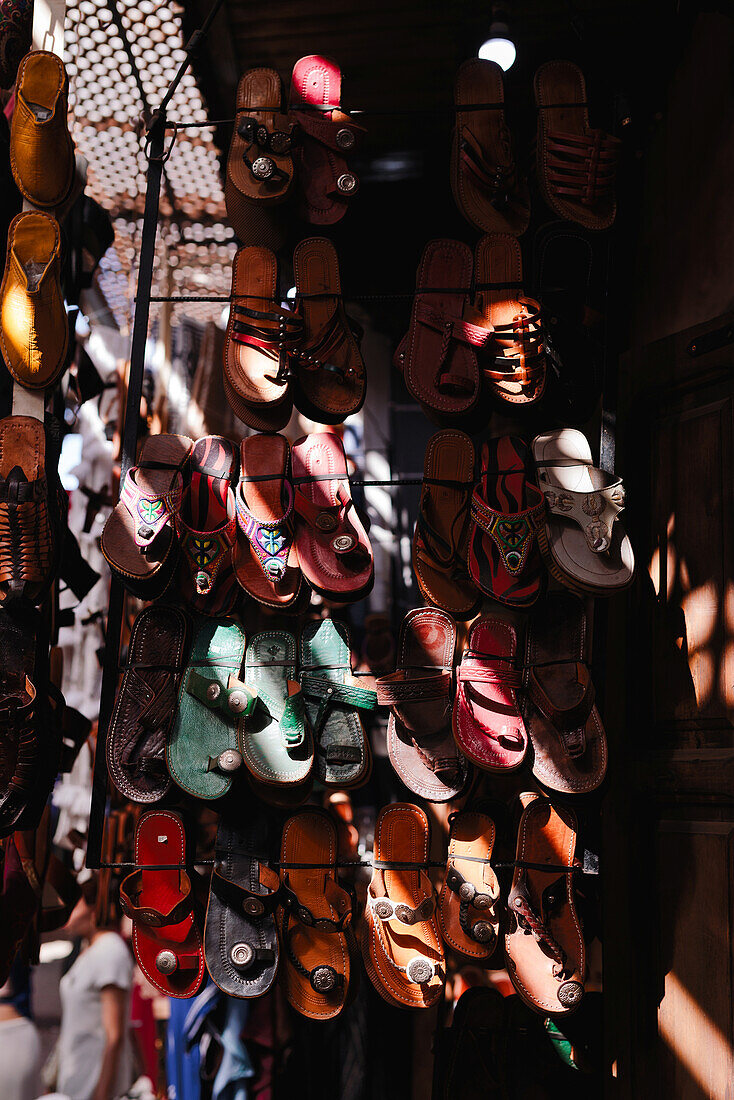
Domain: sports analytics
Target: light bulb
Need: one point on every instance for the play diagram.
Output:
(500, 50)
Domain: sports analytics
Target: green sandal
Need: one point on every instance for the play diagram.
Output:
(343, 757)
(202, 752)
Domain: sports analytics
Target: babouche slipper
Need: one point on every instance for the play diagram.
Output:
(334, 701)
(333, 548)
(439, 541)
(203, 752)
(139, 539)
(401, 942)
(420, 740)
(158, 898)
(568, 742)
(325, 135)
(488, 726)
(488, 188)
(146, 703)
(507, 511)
(582, 540)
(468, 910)
(265, 559)
(240, 935)
(315, 919)
(330, 379)
(544, 945)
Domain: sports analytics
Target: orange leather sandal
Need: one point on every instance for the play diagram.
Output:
(468, 911)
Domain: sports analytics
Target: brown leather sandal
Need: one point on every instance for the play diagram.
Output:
(488, 188)
(544, 945)
(468, 910)
(439, 541)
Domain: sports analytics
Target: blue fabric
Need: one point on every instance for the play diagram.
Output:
(182, 1058)
(236, 1067)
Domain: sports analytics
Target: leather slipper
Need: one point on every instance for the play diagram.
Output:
(325, 135)
(488, 726)
(420, 741)
(240, 934)
(158, 898)
(569, 745)
(468, 908)
(330, 379)
(333, 701)
(401, 942)
(487, 186)
(441, 369)
(207, 519)
(138, 539)
(264, 558)
(333, 548)
(515, 370)
(315, 919)
(439, 541)
(274, 738)
(202, 751)
(145, 704)
(507, 510)
(576, 164)
(544, 945)
(260, 164)
(261, 336)
(582, 540)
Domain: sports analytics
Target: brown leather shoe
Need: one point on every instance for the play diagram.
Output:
(41, 149)
(34, 332)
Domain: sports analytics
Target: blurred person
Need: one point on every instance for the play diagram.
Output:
(95, 1059)
(20, 1045)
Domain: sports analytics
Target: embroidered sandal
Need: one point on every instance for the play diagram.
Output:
(488, 188)
(468, 911)
(420, 740)
(507, 511)
(582, 540)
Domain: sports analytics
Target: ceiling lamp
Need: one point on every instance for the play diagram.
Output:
(499, 46)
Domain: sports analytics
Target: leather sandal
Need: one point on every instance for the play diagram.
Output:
(515, 366)
(31, 510)
(544, 945)
(261, 337)
(145, 704)
(260, 162)
(468, 909)
(334, 700)
(576, 164)
(569, 745)
(507, 511)
(274, 739)
(265, 558)
(583, 542)
(401, 942)
(207, 526)
(203, 753)
(333, 548)
(138, 539)
(487, 185)
(21, 715)
(315, 918)
(488, 726)
(440, 366)
(158, 898)
(330, 381)
(420, 740)
(439, 541)
(240, 934)
(326, 134)
(18, 906)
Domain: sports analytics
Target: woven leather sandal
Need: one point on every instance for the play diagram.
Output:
(488, 188)
(468, 911)
(544, 945)
(576, 164)
(30, 512)
(315, 918)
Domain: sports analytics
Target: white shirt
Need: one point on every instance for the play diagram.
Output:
(82, 1040)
